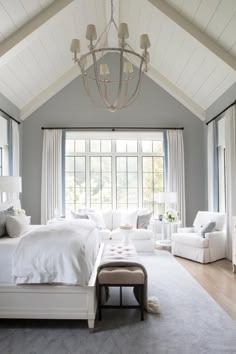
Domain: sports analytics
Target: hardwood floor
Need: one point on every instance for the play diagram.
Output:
(217, 279)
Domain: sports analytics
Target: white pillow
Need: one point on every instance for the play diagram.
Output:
(17, 225)
(97, 217)
(129, 217)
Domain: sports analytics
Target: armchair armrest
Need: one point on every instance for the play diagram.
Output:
(215, 235)
(185, 230)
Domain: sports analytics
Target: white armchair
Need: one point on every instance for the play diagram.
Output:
(189, 243)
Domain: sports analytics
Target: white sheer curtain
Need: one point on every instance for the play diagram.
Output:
(51, 189)
(230, 152)
(176, 173)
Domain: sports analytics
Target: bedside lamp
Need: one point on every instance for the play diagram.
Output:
(10, 185)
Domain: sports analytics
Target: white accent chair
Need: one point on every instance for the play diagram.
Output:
(189, 243)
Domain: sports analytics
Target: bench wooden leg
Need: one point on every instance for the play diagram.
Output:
(100, 302)
(142, 302)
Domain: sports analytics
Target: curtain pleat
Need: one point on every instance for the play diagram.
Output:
(230, 154)
(176, 171)
(51, 189)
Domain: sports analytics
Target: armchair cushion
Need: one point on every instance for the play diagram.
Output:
(184, 230)
(209, 227)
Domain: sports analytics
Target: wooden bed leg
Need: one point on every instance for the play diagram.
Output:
(91, 324)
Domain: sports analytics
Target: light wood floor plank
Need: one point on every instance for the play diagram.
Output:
(217, 279)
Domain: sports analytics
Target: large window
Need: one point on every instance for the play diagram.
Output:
(113, 170)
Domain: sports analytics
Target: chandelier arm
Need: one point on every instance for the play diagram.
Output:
(118, 97)
(97, 79)
(136, 92)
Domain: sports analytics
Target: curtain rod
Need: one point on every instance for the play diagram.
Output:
(219, 114)
(110, 128)
(1, 110)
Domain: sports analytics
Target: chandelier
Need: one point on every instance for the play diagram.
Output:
(115, 85)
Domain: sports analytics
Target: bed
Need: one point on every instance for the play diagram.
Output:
(47, 301)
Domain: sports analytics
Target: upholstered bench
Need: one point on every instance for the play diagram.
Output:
(120, 268)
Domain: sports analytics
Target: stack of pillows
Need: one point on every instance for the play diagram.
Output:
(13, 222)
(139, 219)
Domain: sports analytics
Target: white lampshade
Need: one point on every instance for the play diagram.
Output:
(123, 32)
(104, 69)
(144, 42)
(10, 184)
(166, 197)
(75, 45)
(91, 33)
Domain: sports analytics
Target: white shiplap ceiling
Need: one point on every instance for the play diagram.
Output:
(193, 52)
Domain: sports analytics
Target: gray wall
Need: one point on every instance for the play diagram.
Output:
(153, 108)
(218, 106)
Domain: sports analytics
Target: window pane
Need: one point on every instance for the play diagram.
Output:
(121, 180)
(80, 180)
(158, 146)
(147, 180)
(133, 195)
(132, 164)
(121, 164)
(146, 146)
(80, 145)
(70, 180)
(95, 164)
(121, 195)
(132, 146)
(106, 145)
(80, 196)
(80, 164)
(70, 145)
(70, 195)
(120, 145)
(147, 194)
(95, 180)
(70, 164)
(95, 145)
(158, 182)
(106, 164)
(158, 164)
(121, 206)
(106, 180)
(132, 180)
(95, 195)
(147, 164)
(106, 195)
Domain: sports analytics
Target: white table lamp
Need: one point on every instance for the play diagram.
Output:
(10, 185)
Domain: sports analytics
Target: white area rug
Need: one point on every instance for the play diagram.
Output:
(190, 322)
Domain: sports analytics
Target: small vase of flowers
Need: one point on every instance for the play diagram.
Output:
(171, 215)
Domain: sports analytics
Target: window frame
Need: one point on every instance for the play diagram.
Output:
(114, 154)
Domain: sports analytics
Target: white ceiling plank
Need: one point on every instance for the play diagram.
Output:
(49, 92)
(190, 8)
(228, 36)
(201, 37)
(205, 12)
(6, 23)
(176, 93)
(16, 12)
(19, 39)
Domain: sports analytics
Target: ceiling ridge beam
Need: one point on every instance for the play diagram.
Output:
(17, 41)
(196, 33)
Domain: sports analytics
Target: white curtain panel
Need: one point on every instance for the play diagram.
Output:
(176, 173)
(210, 165)
(230, 152)
(51, 185)
(15, 149)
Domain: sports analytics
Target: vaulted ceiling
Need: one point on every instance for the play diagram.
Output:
(193, 51)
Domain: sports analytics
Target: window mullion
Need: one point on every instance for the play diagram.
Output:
(113, 172)
(87, 176)
(140, 176)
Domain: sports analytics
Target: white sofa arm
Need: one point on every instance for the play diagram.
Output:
(185, 230)
(217, 244)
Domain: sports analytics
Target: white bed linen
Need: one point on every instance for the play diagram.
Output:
(7, 247)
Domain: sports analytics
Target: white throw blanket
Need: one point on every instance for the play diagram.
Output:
(63, 252)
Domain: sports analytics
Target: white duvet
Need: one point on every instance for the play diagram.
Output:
(63, 252)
